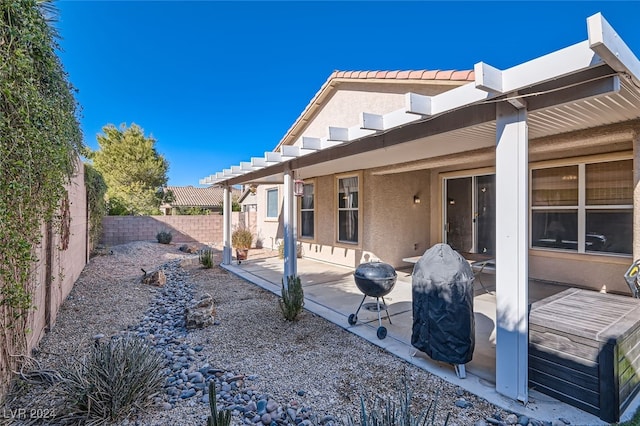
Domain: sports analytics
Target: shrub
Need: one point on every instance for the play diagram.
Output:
(164, 237)
(115, 379)
(206, 258)
(217, 418)
(292, 299)
(241, 238)
(281, 250)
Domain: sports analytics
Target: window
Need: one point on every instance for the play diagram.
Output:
(272, 203)
(587, 207)
(307, 211)
(348, 209)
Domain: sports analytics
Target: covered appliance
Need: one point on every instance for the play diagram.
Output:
(443, 321)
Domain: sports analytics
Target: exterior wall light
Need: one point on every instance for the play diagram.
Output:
(298, 188)
(416, 199)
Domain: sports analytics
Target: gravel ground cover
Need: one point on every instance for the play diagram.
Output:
(269, 371)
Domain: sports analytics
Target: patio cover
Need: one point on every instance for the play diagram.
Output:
(589, 84)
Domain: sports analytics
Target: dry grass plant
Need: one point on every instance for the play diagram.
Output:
(116, 379)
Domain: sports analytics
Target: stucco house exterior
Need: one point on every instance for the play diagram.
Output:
(536, 166)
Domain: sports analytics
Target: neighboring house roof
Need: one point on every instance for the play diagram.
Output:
(189, 196)
(394, 77)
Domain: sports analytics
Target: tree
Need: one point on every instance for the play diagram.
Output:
(132, 168)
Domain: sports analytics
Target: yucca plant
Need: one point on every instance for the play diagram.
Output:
(292, 299)
(386, 412)
(115, 379)
(217, 418)
(206, 258)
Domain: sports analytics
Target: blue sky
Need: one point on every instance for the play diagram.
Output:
(217, 83)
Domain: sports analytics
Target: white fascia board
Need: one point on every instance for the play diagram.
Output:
(272, 157)
(487, 78)
(417, 104)
(607, 44)
(371, 121)
(549, 67)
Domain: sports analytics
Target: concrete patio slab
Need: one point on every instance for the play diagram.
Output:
(331, 292)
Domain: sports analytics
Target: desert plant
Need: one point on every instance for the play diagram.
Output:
(217, 418)
(241, 238)
(206, 258)
(114, 379)
(292, 299)
(164, 237)
(386, 412)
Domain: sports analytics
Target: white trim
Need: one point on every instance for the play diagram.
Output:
(604, 41)
(266, 194)
(512, 250)
(418, 104)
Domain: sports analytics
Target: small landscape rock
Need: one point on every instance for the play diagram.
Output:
(511, 419)
(155, 278)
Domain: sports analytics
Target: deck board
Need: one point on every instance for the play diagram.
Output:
(584, 349)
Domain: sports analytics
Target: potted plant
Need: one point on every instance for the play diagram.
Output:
(241, 240)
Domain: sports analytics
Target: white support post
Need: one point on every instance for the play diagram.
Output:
(226, 226)
(512, 230)
(289, 227)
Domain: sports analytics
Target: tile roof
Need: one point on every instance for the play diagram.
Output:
(397, 76)
(452, 75)
(189, 196)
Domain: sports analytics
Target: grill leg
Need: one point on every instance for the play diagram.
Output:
(387, 309)
(379, 319)
(364, 297)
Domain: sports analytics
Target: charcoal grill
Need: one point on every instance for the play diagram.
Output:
(375, 279)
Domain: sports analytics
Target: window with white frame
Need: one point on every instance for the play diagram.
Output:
(348, 209)
(272, 203)
(307, 212)
(585, 207)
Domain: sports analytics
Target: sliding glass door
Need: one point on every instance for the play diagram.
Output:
(470, 214)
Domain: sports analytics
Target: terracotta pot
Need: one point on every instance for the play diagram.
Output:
(241, 254)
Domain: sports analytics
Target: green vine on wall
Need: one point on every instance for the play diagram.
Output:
(40, 140)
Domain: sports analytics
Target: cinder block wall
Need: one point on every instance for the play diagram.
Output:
(55, 272)
(206, 229)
